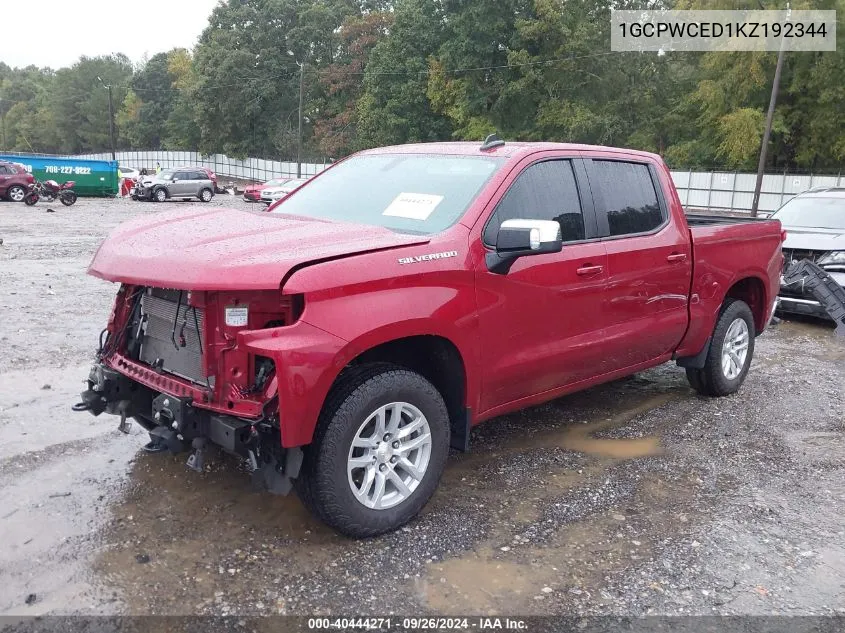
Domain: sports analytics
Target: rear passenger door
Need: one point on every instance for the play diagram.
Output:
(184, 185)
(195, 178)
(648, 261)
(540, 323)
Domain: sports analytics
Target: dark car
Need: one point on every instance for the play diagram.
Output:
(14, 180)
(815, 229)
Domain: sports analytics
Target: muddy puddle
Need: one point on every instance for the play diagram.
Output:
(193, 540)
(507, 573)
(522, 577)
(183, 532)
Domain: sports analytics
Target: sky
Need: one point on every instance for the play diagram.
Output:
(56, 33)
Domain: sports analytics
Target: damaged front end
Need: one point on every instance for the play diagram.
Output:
(821, 286)
(170, 360)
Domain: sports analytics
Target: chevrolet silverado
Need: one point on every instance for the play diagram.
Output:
(344, 341)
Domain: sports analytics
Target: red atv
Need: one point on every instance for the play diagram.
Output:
(49, 190)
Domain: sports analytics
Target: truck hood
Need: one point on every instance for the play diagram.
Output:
(815, 239)
(227, 249)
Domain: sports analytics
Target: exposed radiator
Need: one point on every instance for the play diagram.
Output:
(159, 310)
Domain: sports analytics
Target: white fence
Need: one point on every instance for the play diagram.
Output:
(732, 191)
(256, 169)
(717, 190)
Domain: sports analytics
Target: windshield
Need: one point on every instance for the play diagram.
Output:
(817, 213)
(165, 175)
(408, 193)
(276, 182)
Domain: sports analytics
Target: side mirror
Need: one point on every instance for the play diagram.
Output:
(175, 180)
(521, 238)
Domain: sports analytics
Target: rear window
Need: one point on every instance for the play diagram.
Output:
(408, 193)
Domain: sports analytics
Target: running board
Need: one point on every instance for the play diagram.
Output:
(816, 282)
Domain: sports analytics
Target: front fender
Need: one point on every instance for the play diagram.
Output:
(337, 327)
(307, 360)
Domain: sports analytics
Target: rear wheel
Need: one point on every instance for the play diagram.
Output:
(16, 193)
(206, 195)
(731, 352)
(378, 453)
(30, 199)
(68, 198)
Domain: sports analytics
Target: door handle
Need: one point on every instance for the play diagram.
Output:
(676, 257)
(589, 270)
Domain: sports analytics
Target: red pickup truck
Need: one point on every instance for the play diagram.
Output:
(344, 341)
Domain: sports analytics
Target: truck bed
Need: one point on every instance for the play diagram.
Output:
(725, 250)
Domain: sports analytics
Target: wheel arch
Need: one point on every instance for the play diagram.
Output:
(752, 290)
(438, 360)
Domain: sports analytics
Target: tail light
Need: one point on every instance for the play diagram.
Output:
(783, 235)
(30, 178)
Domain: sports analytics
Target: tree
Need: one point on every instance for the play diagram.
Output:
(150, 102)
(181, 130)
(394, 107)
(80, 103)
(340, 82)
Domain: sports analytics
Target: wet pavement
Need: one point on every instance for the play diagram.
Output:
(633, 498)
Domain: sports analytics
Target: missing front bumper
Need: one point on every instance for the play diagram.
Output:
(180, 426)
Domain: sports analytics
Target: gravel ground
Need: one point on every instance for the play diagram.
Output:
(634, 498)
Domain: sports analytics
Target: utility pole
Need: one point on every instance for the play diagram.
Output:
(111, 124)
(299, 134)
(111, 118)
(755, 204)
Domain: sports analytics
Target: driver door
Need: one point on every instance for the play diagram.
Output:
(541, 322)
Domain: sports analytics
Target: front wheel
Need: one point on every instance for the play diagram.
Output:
(16, 193)
(731, 352)
(30, 199)
(379, 450)
(160, 195)
(68, 198)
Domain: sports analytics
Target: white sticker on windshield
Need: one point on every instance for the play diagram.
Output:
(414, 206)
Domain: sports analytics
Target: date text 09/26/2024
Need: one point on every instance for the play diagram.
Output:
(417, 624)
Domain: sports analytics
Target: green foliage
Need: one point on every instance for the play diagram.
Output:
(80, 102)
(379, 72)
(394, 107)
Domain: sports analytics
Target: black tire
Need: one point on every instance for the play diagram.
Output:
(68, 198)
(711, 380)
(16, 193)
(323, 483)
(206, 195)
(160, 194)
(30, 199)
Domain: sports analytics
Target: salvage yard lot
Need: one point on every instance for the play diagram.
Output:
(637, 497)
